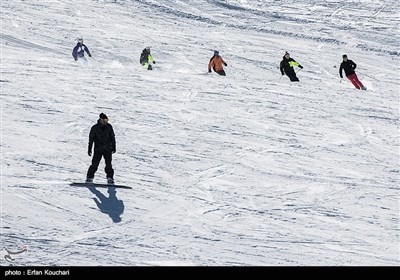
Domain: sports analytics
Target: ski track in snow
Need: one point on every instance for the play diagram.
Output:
(247, 169)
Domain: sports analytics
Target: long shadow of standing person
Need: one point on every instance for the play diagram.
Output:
(110, 205)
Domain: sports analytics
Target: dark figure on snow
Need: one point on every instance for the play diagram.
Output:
(110, 205)
(103, 137)
(79, 50)
(216, 63)
(146, 59)
(349, 66)
(287, 67)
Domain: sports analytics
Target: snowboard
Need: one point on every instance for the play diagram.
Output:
(84, 184)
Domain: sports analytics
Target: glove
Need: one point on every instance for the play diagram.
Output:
(301, 67)
(76, 59)
(209, 70)
(114, 150)
(226, 64)
(89, 153)
(154, 62)
(90, 55)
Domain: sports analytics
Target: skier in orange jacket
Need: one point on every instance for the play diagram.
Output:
(216, 63)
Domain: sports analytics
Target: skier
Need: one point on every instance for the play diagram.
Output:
(287, 65)
(79, 51)
(216, 64)
(146, 58)
(349, 66)
(103, 137)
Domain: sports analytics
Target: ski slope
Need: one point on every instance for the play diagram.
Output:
(243, 170)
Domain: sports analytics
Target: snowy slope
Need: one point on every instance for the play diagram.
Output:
(247, 169)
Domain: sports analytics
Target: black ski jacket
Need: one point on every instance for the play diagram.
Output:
(144, 57)
(348, 66)
(287, 65)
(103, 137)
(79, 51)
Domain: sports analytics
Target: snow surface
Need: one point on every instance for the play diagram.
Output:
(243, 170)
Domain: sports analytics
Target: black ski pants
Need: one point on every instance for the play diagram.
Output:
(292, 75)
(96, 161)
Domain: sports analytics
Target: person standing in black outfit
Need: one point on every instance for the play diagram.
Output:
(103, 137)
(287, 65)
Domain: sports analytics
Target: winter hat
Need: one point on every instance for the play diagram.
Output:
(103, 116)
(345, 55)
(148, 48)
(216, 52)
(286, 53)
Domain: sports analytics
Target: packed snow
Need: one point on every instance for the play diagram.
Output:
(243, 170)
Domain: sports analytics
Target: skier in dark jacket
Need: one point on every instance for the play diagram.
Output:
(79, 50)
(287, 65)
(146, 58)
(103, 137)
(349, 66)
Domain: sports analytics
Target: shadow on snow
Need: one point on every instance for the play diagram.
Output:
(111, 205)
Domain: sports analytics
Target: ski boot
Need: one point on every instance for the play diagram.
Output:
(110, 181)
(89, 180)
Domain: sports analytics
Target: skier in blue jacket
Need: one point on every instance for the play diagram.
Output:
(79, 50)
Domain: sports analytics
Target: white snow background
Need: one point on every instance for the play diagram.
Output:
(243, 170)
